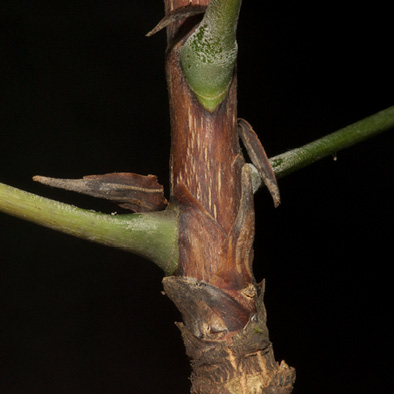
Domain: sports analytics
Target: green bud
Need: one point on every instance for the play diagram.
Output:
(208, 56)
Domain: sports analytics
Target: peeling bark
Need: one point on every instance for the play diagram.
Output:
(224, 361)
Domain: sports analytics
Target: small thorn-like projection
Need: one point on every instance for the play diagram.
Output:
(138, 193)
(259, 158)
(176, 15)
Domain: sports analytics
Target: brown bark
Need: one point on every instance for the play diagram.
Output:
(222, 307)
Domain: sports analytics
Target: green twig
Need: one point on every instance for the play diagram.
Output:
(295, 159)
(152, 235)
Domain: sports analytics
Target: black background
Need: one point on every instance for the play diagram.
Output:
(83, 92)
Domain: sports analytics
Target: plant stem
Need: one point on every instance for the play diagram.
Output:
(155, 235)
(151, 235)
(295, 159)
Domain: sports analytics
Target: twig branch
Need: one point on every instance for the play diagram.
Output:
(298, 158)
(152, 235)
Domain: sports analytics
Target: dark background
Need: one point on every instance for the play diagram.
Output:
(83, 92)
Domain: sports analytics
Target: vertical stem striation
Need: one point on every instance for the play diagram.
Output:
(205, 153)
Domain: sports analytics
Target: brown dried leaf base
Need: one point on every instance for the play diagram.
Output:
(226, 362)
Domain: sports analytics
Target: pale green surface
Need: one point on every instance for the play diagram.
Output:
(208, 57)
(298, 158)
(151, 235)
